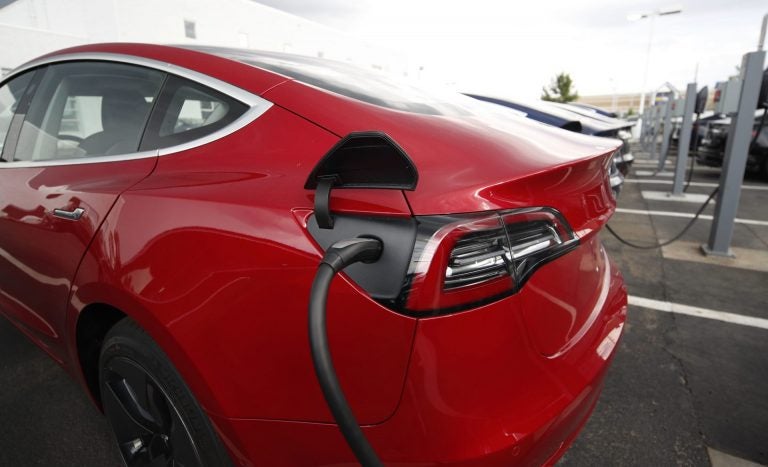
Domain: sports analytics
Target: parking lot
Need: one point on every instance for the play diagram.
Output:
(684, 389)
(684, 385)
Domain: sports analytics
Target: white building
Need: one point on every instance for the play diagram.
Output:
(30, 28)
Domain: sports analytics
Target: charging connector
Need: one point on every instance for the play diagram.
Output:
(340, 255)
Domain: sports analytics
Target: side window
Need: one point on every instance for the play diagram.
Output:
(84, 109)
(187, 111)
(10, 97)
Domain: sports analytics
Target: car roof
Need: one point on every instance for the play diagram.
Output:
(366, 85)
(251, 79)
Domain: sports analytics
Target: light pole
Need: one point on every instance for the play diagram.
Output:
(651, 16)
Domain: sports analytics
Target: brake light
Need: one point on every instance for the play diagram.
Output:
(477, 258)
(465, 261)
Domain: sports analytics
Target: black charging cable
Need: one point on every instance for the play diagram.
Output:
(340, 255)
(693, 151)
(689, 178)
(671, 240)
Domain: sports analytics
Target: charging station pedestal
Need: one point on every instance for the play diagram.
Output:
(684, 140)
(655, 130)
(736, 150)
(648, 123)
(667, 134)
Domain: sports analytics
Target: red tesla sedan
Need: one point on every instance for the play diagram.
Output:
(163, 211)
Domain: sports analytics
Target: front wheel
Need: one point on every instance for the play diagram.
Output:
(155, 418)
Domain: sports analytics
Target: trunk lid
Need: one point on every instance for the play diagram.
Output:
(487, 163)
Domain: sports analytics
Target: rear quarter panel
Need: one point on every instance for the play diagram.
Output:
(208, 256)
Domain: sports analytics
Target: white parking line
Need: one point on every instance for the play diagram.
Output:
(702, 184)
(645, 161)
(681, 309)
(721, 459)
(685, 215)
(648, 173)
(697, 198)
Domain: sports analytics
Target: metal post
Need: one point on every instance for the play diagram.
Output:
(651, 15)
(649, 134)
(736, 150)
(647, 124)
(655, 130)
(666, 135)
(684, 141)
(647, 62)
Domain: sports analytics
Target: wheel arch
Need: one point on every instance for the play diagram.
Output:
(93, 324)
(99, 307)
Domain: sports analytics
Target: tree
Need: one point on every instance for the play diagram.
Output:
(560, 89)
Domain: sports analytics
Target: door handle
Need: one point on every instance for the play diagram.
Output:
(73, 215)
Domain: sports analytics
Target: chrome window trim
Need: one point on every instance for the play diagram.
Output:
(80, 160)
(257, 105)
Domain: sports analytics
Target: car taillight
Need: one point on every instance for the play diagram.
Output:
(477, 258)
(465, 261)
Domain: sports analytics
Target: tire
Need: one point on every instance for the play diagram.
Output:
(155, 418)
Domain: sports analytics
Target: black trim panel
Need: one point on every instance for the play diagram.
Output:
(368, 159)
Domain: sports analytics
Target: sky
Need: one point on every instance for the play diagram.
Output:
(514, 48)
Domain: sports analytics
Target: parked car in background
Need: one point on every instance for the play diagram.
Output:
(621, 129)
(712, 149)
(540, 112)
(698, 129)
(595, 109)
(164, 212)
(573, 119)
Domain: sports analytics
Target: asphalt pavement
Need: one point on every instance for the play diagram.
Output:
(45, 417)
(681, 387)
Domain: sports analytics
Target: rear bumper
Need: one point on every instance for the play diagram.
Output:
(477, 393)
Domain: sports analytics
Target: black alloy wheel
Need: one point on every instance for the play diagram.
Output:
(154, 417)
(148, 428)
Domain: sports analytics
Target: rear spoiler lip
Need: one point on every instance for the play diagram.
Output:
(547, 187)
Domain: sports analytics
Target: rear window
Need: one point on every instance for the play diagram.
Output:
(187, 111)
(352, 81)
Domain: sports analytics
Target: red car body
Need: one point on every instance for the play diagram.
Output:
(207, 249)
